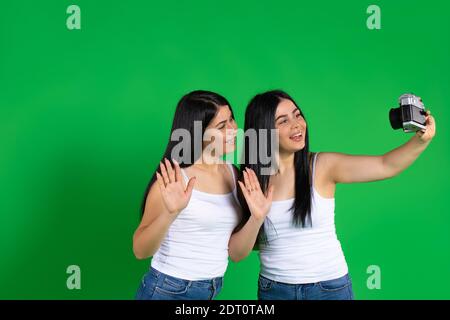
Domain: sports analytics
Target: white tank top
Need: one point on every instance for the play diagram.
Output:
(298, 255)
(196, 244)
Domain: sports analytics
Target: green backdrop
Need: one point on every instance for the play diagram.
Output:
(85, 116)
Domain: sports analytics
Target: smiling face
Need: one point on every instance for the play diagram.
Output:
(220, 135)
(291, 127)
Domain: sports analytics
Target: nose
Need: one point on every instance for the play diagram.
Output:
(230, 132)
(232, 126)
(298, 123)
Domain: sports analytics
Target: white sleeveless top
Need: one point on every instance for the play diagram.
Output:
(196, 244)
(299, 255)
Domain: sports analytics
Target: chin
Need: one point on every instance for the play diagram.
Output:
(295, 148)
(229, 148)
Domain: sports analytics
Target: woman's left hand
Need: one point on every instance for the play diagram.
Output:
(425, 135)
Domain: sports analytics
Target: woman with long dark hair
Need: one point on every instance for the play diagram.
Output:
(190, 206)
(289, 213)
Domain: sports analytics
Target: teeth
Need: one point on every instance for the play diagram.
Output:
(297, 135)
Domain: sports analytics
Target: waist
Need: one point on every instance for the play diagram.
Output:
(202, 282)
(192, 261)
(293, 263)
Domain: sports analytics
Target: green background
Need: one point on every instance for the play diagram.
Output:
(85, 116)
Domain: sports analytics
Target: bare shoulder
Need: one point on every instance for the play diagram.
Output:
(326, 160)
(327, 156)
(323, 181)
(314, 159)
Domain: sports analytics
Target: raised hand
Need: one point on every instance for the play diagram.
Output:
(258, 202)
(175, 195)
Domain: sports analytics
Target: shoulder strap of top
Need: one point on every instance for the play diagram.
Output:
(232, 174)
(314, 167)
(183, 173)
(234, 192)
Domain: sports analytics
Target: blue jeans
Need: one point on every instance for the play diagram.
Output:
(336, 289)
(156, 285)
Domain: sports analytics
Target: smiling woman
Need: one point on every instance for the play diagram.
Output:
(289, 215)
(188, 243)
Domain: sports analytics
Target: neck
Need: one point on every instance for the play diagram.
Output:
(285, 162)
(208, 163)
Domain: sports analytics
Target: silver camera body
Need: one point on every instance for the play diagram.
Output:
(410, 115)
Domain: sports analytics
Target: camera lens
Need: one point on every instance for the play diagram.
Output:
(395, 117)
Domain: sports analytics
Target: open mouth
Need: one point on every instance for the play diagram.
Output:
(297, 137)
(231, 141)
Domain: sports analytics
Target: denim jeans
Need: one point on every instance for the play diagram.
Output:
(156, 285)
(336, 289)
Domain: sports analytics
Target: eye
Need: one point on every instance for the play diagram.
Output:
(298, 115)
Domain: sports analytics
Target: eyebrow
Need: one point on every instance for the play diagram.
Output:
(284, 115)
(221, 123)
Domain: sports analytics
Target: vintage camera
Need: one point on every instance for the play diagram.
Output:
(410, 115)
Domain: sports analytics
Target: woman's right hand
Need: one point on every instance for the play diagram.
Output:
(258, 203)
(175, 196)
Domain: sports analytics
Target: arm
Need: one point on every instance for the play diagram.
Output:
(342, 168)
(163, 204)
(242, 241)
(153, 227)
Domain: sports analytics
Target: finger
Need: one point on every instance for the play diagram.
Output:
(170, 171)
(250, 179)
(244, 190)
(177, 170)
(190, 186)
(255, 180)
(247, 181)
(433, 123)
(160, 182)
(164, 173)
